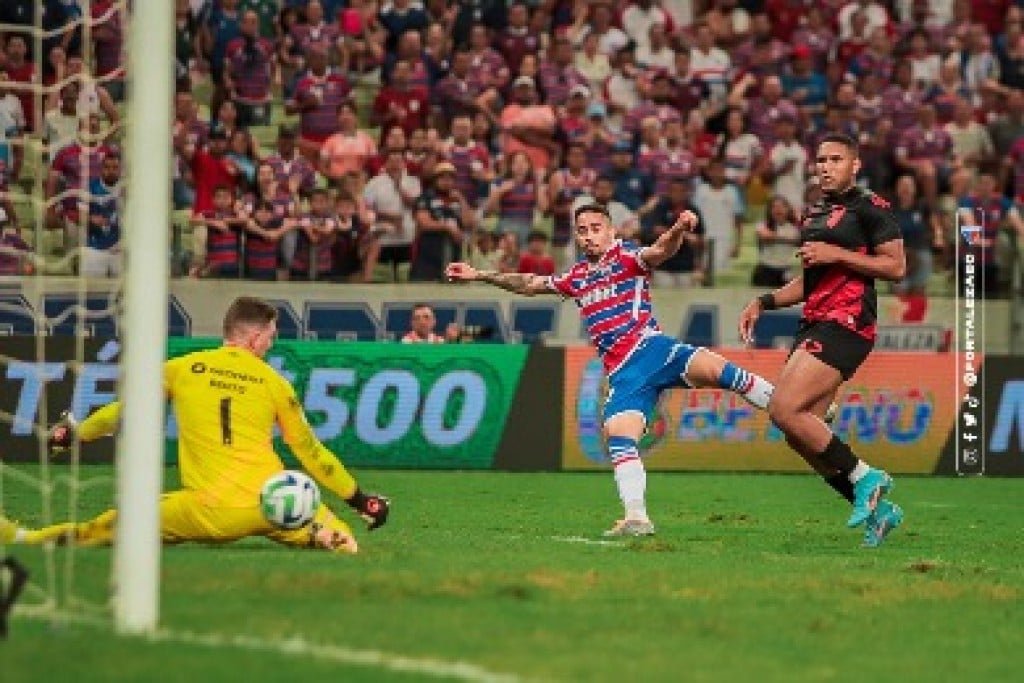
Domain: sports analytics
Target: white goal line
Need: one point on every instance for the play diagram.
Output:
(299, 647)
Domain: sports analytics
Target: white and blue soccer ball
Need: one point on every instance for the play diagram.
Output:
(289, 499)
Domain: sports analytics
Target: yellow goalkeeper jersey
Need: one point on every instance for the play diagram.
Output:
(227, 401)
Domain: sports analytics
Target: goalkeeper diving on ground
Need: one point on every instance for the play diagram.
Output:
(227, 401)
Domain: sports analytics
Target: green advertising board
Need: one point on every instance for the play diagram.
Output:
(396, 405)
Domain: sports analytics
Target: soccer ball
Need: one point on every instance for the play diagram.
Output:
(289, 499)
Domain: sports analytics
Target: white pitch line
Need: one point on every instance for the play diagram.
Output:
(300, 647)
(582, 540)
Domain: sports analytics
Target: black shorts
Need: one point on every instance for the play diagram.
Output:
(833, 344)
(396, 253)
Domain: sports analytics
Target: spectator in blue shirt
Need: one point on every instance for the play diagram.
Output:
(633, 187)
(101, 256)
(807, 88)
(400, 16)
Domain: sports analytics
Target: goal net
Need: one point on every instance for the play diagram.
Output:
(83, 299)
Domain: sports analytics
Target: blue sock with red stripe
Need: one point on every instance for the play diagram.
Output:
(756, 389)
(630, 475)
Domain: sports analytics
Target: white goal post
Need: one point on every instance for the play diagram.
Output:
(140, 447)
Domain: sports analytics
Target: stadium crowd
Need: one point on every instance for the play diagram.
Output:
(323, 139)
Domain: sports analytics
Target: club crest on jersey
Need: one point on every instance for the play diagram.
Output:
(835, 215)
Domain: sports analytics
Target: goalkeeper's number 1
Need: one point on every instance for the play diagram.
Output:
(225, 420)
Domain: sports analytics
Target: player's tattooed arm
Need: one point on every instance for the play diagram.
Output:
(520, 283)
(526, 284)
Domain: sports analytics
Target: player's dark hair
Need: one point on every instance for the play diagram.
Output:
(537, 235)
(419, 305)
(247, 311)
(841, 139)
(591, 208)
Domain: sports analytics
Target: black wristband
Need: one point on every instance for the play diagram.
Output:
(767, 302)
(357, 500)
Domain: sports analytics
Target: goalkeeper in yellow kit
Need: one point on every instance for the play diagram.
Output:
(227, 401)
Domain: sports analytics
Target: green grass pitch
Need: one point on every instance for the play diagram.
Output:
(751, 577)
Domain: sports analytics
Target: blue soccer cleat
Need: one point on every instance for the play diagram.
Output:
(887, 516)
(867, 492)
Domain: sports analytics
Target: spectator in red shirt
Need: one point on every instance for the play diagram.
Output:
(108, 42)
(460, 92)
(20, 70)
(902, 99)
(68, 173)
(314, 257)
(786, 16)
(410, 48)
(211, 168)
(264, 230)
(516, 40)
(248, 73)
(816, 35)
(536, 259)
(318, 94)
(400, 103)
(317, 32)
(761, 53)
(875, 58)
(485, 59)
(927, 151)
(699, 140)
(990, 13)
(291, 169)
(558, 75)
(472, 161)
(677, 161)
(855, 43)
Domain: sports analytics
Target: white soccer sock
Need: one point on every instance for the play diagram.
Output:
(760, 392)
(859, 471)
(754, 388)
(631, 480)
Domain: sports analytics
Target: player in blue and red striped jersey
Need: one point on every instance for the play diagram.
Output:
(611, 287)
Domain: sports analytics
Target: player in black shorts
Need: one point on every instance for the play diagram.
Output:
(848, 239)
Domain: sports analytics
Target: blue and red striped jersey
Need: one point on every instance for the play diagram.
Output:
(614, 298)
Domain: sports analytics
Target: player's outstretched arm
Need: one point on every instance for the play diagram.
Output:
(669, 242)
(526, 284)
(785, 296)
(321, 463)
(101, 423)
